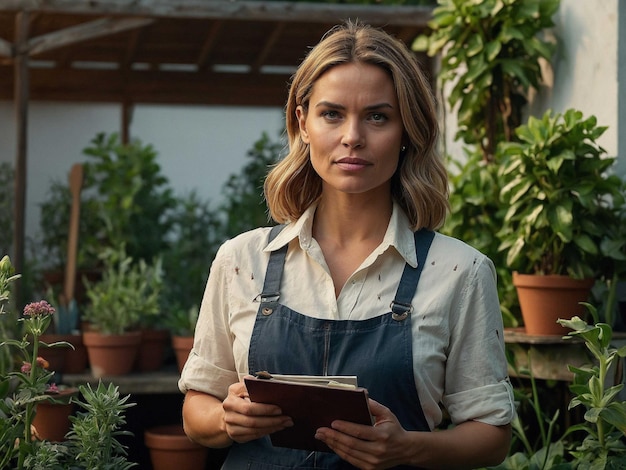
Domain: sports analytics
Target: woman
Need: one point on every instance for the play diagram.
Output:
(360, 193)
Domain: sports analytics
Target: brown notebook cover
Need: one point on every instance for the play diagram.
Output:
(310, 407)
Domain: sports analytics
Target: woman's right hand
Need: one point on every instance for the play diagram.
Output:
(245, 420)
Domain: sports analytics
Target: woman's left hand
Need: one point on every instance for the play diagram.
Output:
(384, 445)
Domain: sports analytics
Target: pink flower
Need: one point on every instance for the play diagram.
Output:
(52, 388)
(25, 369)
(37, 309)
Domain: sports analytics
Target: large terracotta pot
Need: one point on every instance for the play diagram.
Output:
(182, 346)
(111, 355)
(151, 352)
(545, 299)
(170, 449)
(52, 420)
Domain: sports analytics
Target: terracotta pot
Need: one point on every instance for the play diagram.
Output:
(52, 421)
(545, 299)
(76, 359)
(64, 359)
(182, 346)
(170, 449)
(111, 355)
(56, 355)
(151, 352)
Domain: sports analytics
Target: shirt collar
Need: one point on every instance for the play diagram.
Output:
(399, 234)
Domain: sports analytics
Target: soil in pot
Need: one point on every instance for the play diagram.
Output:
(170, 449)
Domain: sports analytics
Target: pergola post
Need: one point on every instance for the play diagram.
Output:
(21, 97)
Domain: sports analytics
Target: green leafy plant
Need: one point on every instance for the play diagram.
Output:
(132, 193)
(603, 446)
(182, 322)
(545, 450)
(490, 54)
(196, 233)
(245, 207)
(128, 293)
(94, 433)
(562, 201)
(125, 198)
(475, 211)
(598, 442)
(8, 315)
(54, 221)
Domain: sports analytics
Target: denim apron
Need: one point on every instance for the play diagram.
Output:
(377, 350)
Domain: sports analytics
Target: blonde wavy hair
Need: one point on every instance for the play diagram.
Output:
(420, 183)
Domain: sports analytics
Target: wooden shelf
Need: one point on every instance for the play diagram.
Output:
(164, 381)
(547, 357)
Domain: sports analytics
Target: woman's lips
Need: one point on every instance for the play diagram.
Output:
(352, 163)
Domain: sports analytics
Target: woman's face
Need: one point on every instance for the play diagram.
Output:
(353, 128)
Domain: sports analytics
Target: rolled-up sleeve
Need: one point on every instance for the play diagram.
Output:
(477, 385)
(210, 367)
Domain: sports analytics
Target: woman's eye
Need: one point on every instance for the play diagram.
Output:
(378, 117)
(330, 114)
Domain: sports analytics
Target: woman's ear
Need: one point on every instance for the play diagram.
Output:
(301, 117)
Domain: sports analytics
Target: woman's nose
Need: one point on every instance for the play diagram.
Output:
(353, 134)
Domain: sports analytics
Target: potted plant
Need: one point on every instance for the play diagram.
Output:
(26, 391)
(128, 292)
(182, 323)
(562, 204)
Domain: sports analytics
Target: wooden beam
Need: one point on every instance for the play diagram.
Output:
(144, 86)
(131, 49)
(204, 58)
(21, 87)
(244, 10)
(267, 46)
(83, 32)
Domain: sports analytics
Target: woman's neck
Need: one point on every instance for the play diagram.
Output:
(352, 219)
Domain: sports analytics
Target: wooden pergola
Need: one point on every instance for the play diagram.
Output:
(211, 52)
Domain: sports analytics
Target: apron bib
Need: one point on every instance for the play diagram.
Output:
(377, 350)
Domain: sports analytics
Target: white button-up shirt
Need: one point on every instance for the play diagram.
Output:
(458, 342)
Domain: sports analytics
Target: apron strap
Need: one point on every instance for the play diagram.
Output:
(274, 273)
(401, 305)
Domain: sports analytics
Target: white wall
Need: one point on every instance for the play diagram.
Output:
(198, 147)
(584, 69)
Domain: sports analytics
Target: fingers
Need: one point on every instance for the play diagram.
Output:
(245, 421)
(366, 447)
